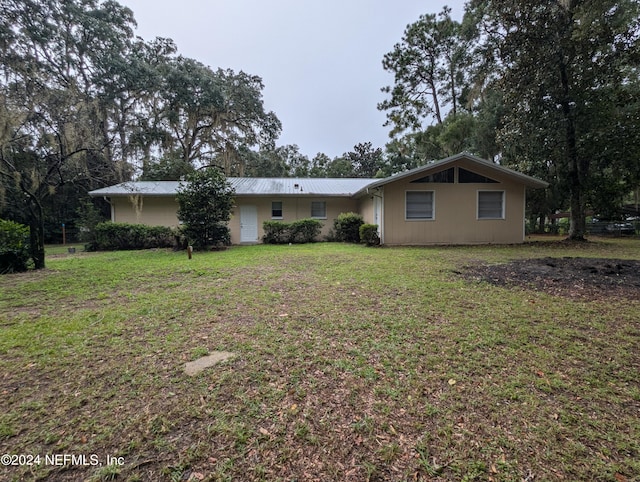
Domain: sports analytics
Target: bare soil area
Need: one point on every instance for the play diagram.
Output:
(567, 276)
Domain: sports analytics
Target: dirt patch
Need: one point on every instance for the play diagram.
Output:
(572, 277)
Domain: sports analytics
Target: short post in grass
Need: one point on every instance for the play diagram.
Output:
(189, 251)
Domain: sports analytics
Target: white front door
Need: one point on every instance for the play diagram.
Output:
(377, 214)
(248, 224)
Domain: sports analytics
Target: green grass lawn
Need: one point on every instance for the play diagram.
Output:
(352, 363)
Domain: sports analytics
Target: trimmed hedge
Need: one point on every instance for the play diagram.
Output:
(122, 236)
(369, 234)
(347, 227)
(276, 232)
(296, 232)
(14, 247)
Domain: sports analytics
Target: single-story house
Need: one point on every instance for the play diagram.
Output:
(458, 200)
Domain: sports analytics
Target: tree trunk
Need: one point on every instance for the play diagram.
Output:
(577, 221)
(576, 167)
(452, 76)
(436, 104)
(36, 232)
(541, 218)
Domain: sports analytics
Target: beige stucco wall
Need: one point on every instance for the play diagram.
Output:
(455, 213)
(293, 208)
(365, 208)
(161, 211)
(156, 211)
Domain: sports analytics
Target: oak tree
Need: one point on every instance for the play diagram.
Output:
(567, 70)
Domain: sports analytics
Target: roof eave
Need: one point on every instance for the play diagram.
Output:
(294, 194)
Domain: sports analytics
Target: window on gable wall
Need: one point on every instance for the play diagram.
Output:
(446, 176)
(419, 205)
(276, 209)
(318, 209)
(467, 177)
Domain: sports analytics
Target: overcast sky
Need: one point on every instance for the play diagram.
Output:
(320, 60)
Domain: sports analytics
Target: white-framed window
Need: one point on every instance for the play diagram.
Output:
(490, 204)
(319, 209)
(419, 205)
(276, 209)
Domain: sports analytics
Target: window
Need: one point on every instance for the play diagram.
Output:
(419, 205)
(490, 204)
(276, 209)
(318, 209)
(445, 176)
(465, 176)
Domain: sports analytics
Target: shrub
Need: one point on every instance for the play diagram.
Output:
(14, 247)
(305, 230)
(300, 231)
(275, 232)
(347, 227)
(330, 236)
(204, 207)
(369, 234)
(88, 218)
(121, 236)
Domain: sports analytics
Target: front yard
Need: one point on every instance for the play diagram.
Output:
(351, 363)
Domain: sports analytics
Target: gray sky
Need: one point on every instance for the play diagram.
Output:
(320, 60)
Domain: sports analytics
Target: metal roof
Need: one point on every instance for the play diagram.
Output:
(148, 188)
(298, 186)
(305, 186)
(248, 186)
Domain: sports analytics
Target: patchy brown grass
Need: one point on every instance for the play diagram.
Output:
(353, 364)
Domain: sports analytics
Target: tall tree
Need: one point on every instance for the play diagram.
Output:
(366, 160)
(264, 163)
(558, 65)
(319, 165)
(400, 155)
(211, 115)
(193, 104)
(297, 164)
(243, 120)
(429, 67)
(52, 54)
(135, 107)
(340, 167)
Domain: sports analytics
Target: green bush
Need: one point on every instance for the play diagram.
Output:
(347, 227)
(121, 236)
(204, 207)
(305, 230)
(88, 218)
(369, 234)
(14, 247)
(301, 231)
(275, 232)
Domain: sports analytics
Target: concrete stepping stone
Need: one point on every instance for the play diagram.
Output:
(197, 366)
